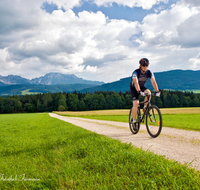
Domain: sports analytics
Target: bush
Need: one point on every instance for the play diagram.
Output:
(61, 108)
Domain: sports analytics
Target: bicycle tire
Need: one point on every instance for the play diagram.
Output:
(154, 121)
(132, 128)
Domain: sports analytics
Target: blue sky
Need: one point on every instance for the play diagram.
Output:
(98, 39)
(115, 11)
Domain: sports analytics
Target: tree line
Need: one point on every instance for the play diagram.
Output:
(48, 102)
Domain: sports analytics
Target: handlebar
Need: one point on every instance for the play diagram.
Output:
(150, 94)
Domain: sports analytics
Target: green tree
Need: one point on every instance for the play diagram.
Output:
(181, 99)
(28, 107)
(87, 99)
(187, 101)
(174, 100)
(61, 108)
(94, 104)
(118, 101)
(73, 102)
(47, 100)
(129, 102)
(81, 106)
(110, 102)
(40, 107)
(7, 105)
(196, 102)
(158, 102)
(62, 102)
(101, 101)
(123, 101)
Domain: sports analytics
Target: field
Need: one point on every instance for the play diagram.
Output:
(183, 118)
(40, 152)
(195, 91)
(26, 92)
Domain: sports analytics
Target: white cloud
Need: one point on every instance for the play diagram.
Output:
(69, 43)
(188, 32)
(130, 3)
(192, 2)
(160, 29)
(195, 62)
(64, 4)
(91, 69)
(33, 42)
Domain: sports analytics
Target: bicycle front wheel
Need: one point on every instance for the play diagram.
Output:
(154, 121)
(134, 127)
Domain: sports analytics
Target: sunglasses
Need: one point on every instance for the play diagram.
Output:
(145, 65)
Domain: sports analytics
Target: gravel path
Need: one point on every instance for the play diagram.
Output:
(180, 145)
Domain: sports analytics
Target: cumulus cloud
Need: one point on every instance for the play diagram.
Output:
(192, 2)
(34, 42)
(188, 32)
(67, 43)
(195, 62)
(130, 3)
(161, 29)
(64, 4)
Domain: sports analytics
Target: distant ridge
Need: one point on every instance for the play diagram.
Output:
(174, 80)
(22, 89)
(48, 79)
(186, 80)
(13, 79)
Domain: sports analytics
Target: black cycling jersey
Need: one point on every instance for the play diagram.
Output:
(142, 78)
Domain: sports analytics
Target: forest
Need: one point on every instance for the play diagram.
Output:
(100, 100)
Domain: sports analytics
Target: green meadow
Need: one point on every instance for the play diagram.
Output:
(26, 92)
(40, 152)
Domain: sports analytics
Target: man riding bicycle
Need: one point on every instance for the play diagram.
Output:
(138, 80)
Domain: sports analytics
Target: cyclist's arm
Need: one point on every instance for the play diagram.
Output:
(154, 84)
(136, 84)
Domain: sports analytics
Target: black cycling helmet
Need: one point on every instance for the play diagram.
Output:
(144, 62)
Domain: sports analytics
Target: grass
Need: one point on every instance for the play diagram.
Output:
(40, 152)
(26, 92)
(182, 118)
(195, 91)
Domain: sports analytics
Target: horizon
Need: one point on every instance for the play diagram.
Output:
(97, 81)
(99, 40)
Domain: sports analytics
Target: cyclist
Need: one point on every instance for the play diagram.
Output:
(138, 80)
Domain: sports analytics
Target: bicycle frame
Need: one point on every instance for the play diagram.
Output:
(151, 115)
(147, 108)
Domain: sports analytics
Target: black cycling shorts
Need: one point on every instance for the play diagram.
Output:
(134, 93)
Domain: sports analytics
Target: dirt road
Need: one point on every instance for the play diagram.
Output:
(180, 145)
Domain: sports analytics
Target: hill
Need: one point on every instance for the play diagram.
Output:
(173, 80)
(22, 89)
(58, 78)
(48, 79)
(51, 82)
(55, 82)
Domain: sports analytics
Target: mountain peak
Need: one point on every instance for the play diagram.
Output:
(48, 79)
(13, 79)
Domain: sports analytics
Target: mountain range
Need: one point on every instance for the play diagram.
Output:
(185, 80)
(57, 82)
(48, 79)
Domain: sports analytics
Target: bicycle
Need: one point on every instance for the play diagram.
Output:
(153, 119)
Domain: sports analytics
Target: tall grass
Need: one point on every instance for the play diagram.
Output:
(40, 152)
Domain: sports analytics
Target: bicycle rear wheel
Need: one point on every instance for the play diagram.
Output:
(134, 128)
(154, 121)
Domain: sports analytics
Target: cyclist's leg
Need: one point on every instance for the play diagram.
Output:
(146, 91)
(135, 99)
(134, 109)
